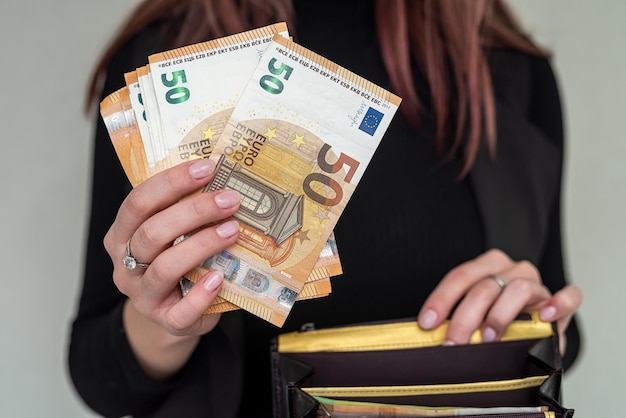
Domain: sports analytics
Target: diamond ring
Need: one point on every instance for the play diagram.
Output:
(131, 262)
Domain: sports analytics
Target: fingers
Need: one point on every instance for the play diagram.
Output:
(173, 263)
(156, 283)
(480, 301)
(186, 316)
(493, 310)
(457, 283)
(561, 306)
(519, 295)
(159, 192)
(159, 231)
(153, 215)
(157, 212)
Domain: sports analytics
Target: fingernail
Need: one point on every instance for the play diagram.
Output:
(227, 229)
(213, 281)
(427, 319)
(449, 343)
(227, 199)
(201, 169)
(548, 313)
(489, 334)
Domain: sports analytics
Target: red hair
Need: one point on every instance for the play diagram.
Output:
(447, 39)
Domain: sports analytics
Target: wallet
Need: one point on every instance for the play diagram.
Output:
(397, 369)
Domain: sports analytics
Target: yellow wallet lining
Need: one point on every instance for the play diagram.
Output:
(402, 335)
(417, 390)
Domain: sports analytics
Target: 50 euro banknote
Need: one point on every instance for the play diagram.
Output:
(182, 99)
(354, 409)
(119, 119)
(296, 145)
(196, 88)
(317, 284)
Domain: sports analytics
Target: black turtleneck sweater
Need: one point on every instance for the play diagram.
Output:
(409, 222)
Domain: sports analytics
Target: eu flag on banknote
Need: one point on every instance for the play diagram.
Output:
(370, 121)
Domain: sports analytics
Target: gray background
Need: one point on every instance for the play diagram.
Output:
(47, 50)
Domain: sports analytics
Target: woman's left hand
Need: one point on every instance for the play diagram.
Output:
(491, 291)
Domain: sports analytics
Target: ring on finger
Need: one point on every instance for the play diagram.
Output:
(131, 262)
(498, 280)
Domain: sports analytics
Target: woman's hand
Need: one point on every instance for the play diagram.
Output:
(491, 290)
(163, 328)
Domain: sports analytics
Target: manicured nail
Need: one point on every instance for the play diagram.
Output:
(227, 229)
(489, 334)
(548, 313)
(213, 281)
(227, 199)
(449, 343)
(427, 319)
(201, 169)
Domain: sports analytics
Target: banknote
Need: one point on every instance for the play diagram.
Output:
(295, 147)
(197, 86)
(352, 409)
(119, 120)
(149, 131)
(311, 290)
(328, 263)
(181, 110)
(153, 118)
(122, 123)
(141, 120)
(317, 285)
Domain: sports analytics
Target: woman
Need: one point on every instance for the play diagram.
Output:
(467, 225)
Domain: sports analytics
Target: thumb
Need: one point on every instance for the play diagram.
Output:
(562, 306)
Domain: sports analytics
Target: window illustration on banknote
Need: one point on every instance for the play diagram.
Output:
(266, 207)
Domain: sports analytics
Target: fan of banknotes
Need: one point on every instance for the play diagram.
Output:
(290, 130)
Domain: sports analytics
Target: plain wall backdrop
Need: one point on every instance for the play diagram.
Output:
(48, 49)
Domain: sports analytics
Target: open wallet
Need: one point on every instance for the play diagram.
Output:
(396, 369)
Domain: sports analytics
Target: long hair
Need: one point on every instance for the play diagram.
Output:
(448, 40)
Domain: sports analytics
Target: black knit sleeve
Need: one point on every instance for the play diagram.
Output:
(102, 365)
(546, 114)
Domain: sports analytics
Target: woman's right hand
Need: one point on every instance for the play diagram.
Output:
(163, 327)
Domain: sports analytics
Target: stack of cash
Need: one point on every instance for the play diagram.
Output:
(353, 409)
(290, 130)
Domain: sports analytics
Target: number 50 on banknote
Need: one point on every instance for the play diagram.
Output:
(295, 147)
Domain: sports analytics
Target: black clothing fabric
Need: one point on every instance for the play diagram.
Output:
(408, 223)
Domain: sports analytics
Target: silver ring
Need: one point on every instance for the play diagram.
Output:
(498, 280)
(131, 262)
